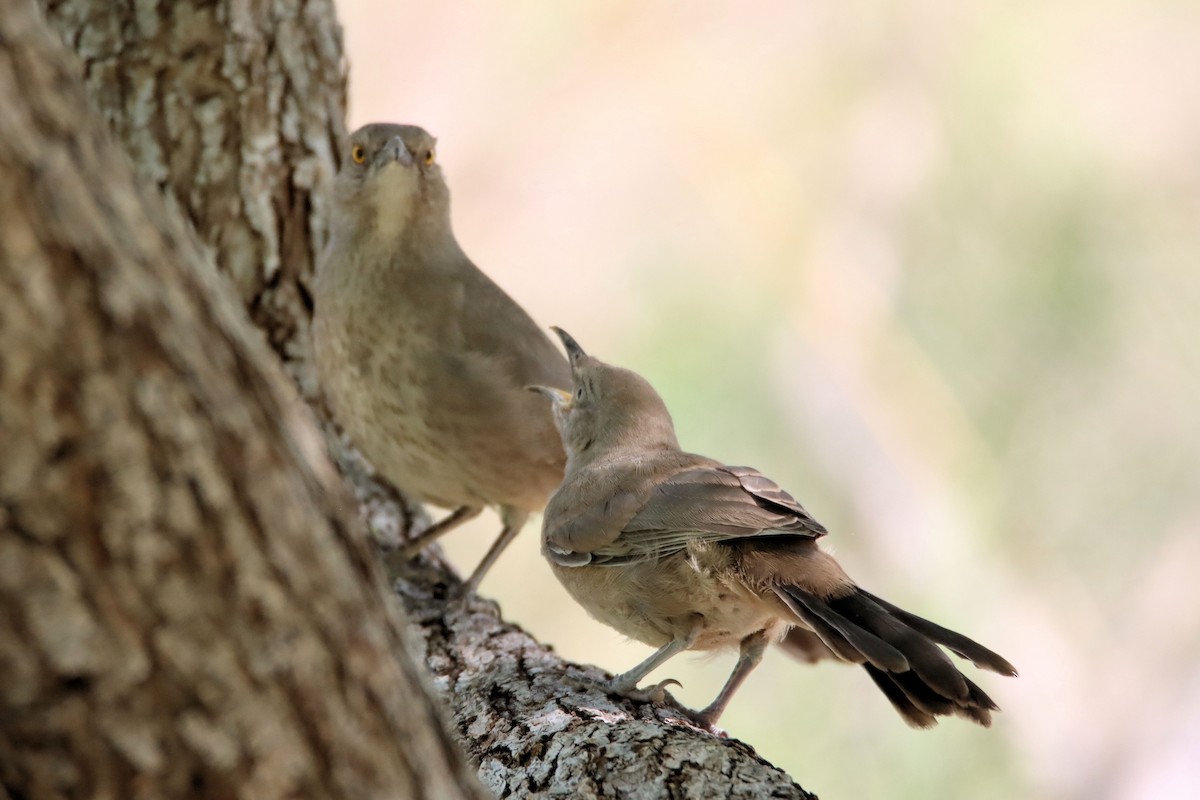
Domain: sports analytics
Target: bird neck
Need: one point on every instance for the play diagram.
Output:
(428, 230)
(645, 444)
(422, 243)
(429, 248)
(591, 468)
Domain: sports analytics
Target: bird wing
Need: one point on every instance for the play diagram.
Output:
(709, 503)
(571, 540)
(496, 326)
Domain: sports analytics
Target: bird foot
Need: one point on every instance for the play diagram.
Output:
(656, 693)
(703, 719)
(464, 597)
(396, 560)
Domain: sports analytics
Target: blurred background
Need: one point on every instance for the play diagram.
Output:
(935, 267)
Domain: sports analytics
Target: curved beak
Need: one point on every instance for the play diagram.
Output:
(394, 150)
(559, 397)
(575, 353)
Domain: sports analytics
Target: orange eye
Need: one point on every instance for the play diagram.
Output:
(429, 158)
(358, 154)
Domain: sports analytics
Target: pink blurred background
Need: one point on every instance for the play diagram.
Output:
(932, 266)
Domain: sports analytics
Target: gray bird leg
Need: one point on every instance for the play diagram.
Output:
(752, 649)
(436, 531)
(626, 683)
(507, 534)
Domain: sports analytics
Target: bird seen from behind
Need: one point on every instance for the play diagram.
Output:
(682, 552)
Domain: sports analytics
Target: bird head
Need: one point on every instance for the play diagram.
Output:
(609, 411)
(390, 181)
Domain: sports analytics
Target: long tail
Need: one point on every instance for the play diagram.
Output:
(900, 652)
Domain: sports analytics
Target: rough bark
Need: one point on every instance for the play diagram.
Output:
(521, 713)
(182, 614)
(235, 109)
(537, 725)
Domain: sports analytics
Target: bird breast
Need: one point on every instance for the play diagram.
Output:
(657, 601)
(440, 424)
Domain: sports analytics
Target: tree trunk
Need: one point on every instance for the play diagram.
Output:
(233, 109)
(182, 612)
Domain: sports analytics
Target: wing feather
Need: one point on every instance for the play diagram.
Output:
(706, 504)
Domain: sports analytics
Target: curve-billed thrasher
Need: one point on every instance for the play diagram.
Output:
(682, 552)
(424, 360)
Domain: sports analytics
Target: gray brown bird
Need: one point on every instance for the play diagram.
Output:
(423, 359)
(682, 552)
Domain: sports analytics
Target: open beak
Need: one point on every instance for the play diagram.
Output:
(559, 397)
(575, 353)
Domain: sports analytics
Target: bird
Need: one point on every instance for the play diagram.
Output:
(422, 358)
(682, 552)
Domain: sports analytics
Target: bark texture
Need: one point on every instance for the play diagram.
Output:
(181, 612)
(233, 108)
(537, 725)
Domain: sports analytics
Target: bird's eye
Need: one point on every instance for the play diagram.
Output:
(429, 158)
(358, 154)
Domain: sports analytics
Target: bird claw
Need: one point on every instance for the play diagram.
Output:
(656, 693)
(704, 720)
(459, 596)
(464, 597)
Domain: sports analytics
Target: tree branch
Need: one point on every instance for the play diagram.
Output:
(532, 722)
(535, 723)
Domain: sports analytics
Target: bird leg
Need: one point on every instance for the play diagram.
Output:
(437, 530)
(507, 534)
(626, 684)
(395, 560)
(752, 649)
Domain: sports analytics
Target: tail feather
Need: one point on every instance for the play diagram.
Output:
(804, 645)
(826, 633)
(958, 644)
(912, 713)
(845, 631)
(924, 656)
(900, 652)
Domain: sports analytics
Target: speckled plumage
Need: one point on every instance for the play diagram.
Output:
(423, 359)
